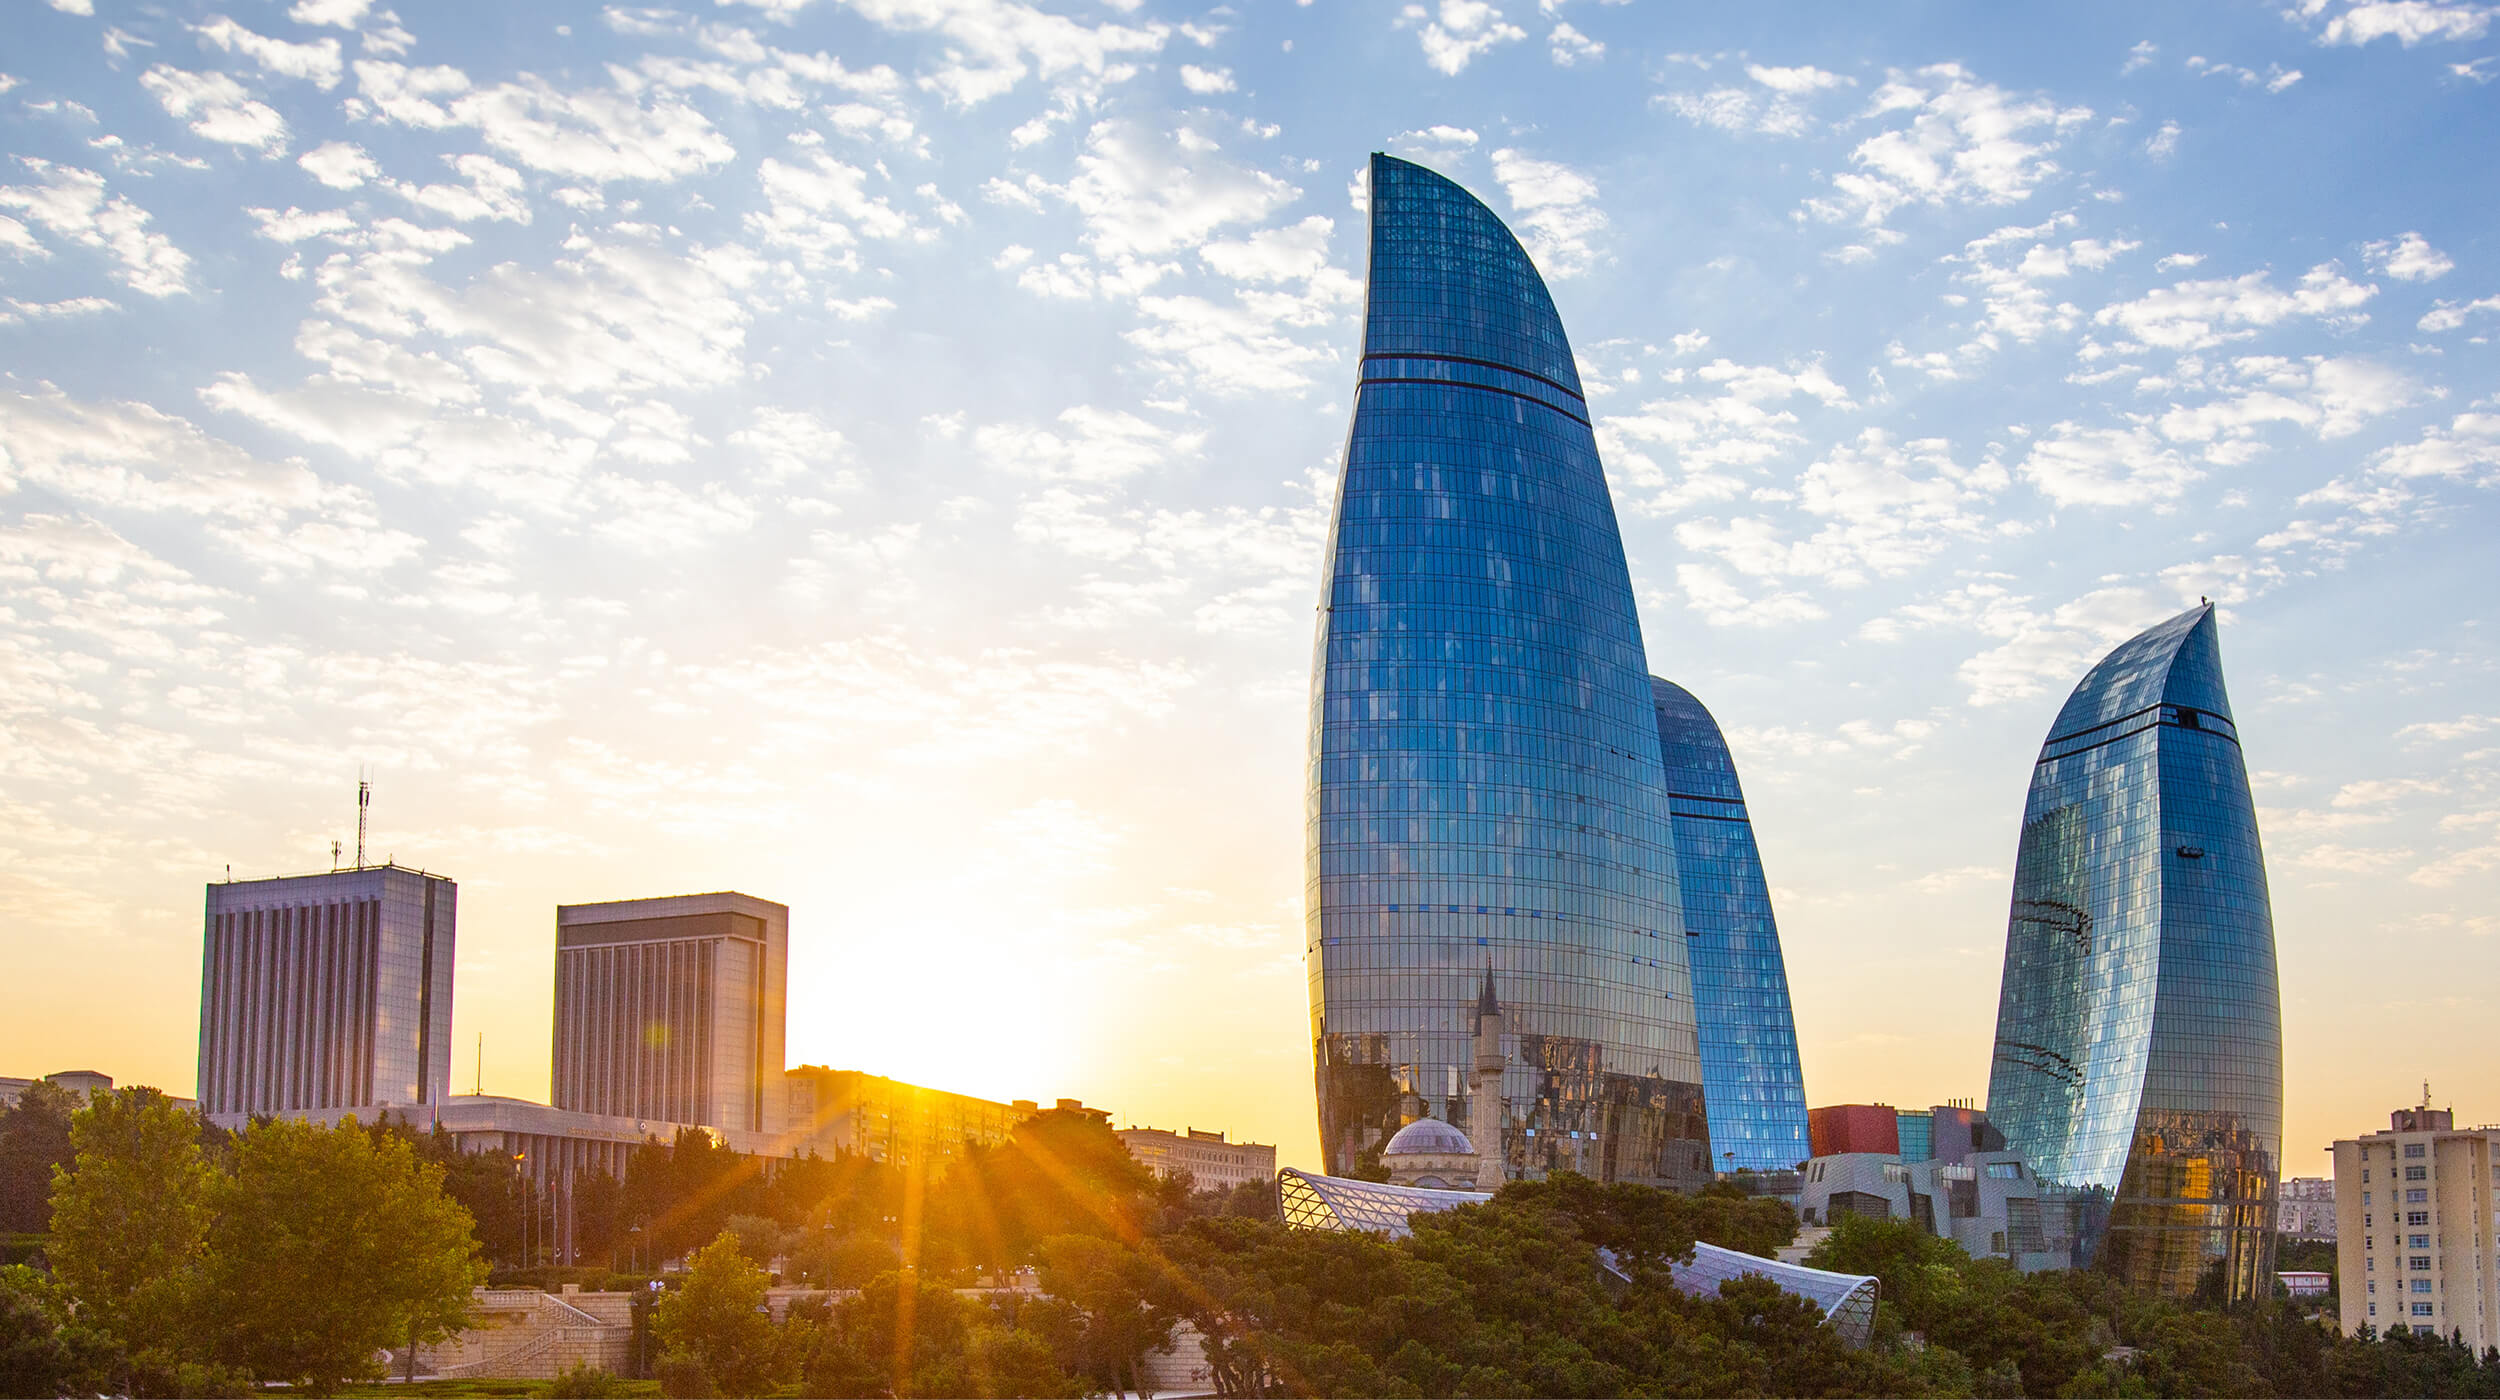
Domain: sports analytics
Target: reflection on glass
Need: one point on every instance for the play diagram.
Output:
(2139, 1050)
(1485, 775)
(1750, 1078)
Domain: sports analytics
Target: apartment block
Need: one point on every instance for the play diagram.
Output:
(2414, 1210)
(1210, 1160)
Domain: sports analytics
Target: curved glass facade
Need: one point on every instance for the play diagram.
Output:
(1484, 764)
(2139, 1049)
(1750, 1079)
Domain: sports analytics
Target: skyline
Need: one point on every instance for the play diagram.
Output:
(661, 503)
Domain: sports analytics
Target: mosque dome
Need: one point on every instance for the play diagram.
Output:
(1428, 1137)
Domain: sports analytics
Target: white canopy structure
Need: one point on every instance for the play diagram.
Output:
(1313, 1202)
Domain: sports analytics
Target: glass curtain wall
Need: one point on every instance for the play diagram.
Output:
(1484, 778)
(1751, 1083)
(2139, 1050)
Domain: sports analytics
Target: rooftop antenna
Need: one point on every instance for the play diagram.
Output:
(364, 805)
(334, 855)
(481, 1064)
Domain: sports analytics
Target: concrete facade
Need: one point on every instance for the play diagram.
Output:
(1988, 1203)
(2305, 1209)
(2414, 1231)
(1210, 1159)
(674, 1008)
(326, 992)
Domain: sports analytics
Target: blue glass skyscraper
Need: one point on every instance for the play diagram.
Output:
(1485, 780)
(2139, 1049)
(1750, 1079)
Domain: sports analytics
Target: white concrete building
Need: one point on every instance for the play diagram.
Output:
(1210, 1159)
(2306, 1209)
(2414, 1213)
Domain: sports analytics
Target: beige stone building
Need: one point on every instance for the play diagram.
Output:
(2414, 1209)
(1212, 1161)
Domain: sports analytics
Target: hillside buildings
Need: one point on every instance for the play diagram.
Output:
(1213, 1161)
(2139, 1048)
(326, 993)
(2414, 1227)
(1486, 786)
(2305, 1208)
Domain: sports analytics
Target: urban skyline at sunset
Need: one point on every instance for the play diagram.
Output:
(876, 456)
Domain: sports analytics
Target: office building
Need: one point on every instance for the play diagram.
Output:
(1854, 1129)
(2414, 1236)
(78, 1083)
(321, 993)
(672, 1009)
(2139, 1048)
(836, 1111)
(1485, 781)
(1752, 1086)
(1987, 1202)
(2305, 1209)
(1213, 1162)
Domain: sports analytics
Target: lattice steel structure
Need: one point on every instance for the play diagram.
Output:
(1312, 1202)
(2139, 1047)
(1750, 1077)
(1484, 785)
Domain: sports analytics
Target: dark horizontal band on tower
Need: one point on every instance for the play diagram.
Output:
(1487, 388)
(2174, 716)
(1553, 384)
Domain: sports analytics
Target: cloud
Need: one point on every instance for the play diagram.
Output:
(1964, 142)
(1885, 507)
(2106, 467)
(217, 107)
(344, 14)
(2163, 144)
(1144, 192)
(1737, 421)
(1557, 206)
(993, 45)
(2448, 315)
(2408, 22)
(1571, 48)
(2408, 258)
(2467, 448)
(2049, 650)
(341, 165)
(1775, 106)
(1089, 445)
(71, 204)
(588, 134)
(316, 63)
(1711, 593)
(817, 205)
(1457, 32)
(2200, 315)
(1206, 81)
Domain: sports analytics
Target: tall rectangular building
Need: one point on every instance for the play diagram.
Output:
(322, 992)
(2414, 1229)
(673, 1009)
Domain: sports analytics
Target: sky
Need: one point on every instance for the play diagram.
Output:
(874, 454)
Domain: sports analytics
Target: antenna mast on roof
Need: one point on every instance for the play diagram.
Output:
(364, 805)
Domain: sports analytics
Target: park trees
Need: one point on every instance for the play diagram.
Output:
(717, 1320)
(328, 1245)
(130, 1225)
(34, 1139)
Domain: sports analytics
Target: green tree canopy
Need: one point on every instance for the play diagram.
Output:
(716, 1318)
(328, 1245)
(34, 1139)
(130, 1220)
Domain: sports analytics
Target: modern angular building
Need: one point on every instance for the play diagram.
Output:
(2139, 1047)
(673, 1009)
(324, 993)
(1751, 1082)
(1485, 781)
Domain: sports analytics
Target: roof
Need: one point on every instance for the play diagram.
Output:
(1313, 1202)
(1428, 1137)
(2175, 662)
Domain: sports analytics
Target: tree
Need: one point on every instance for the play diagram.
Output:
(826, 1260)
(1124, 1300)
(328, 1245)
(45, 1349)
(904, 1330)
(717, 1319)
(34, 1139)
(130, 1222)
(1061, 1173)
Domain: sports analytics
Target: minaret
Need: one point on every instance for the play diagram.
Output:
(1484, 1089)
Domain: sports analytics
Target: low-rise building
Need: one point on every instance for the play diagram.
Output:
(1211, 1160)
(2305, 1209)
(1989, 1203)
(2414, 1228)
(842, 1110)
(79, 1082)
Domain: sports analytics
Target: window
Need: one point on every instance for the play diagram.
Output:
(2365, 1198)
(2421, 1285)
(2006, 1171)
(2365, 1173)
(2421, 1310)
(2370, 1263)
(2418, 1241)
(2374, 1310)
(2417, 1173)
(2415, 1195)
(2413, 1149)
(2421, 1261)
(2417, 1217)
